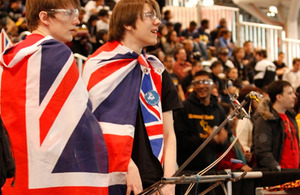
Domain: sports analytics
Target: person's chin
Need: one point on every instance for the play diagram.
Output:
(69, 39)
(202, 95)
(153, 43)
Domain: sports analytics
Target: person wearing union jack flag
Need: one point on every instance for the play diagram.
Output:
(58, 144)
(133, 98)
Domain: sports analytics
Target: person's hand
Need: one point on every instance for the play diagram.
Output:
(248, 156)
(245, 62)
(246, 168)
(187, 69)
(232, 89)
(167, 190)
(221, 137)
(133, 179)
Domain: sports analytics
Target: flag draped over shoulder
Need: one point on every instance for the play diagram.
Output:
(58, 144)
(118, 80)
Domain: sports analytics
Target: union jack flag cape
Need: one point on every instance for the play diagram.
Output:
(58, 144)
(4, 40)
(118, 79)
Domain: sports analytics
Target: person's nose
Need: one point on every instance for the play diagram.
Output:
(157, 22)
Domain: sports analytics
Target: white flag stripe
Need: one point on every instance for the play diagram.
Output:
(55, 84)
(115, 129)
(104, 88)
(117, 178)
(95, 65)
(70, 179)
(42, 159)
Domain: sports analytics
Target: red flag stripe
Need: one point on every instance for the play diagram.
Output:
(53, 108)
(105, 71)
(150, 107)
(154, 130)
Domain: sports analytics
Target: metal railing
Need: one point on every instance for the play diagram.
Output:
(269, 37)
(183, 14)
(80, 59)
(291, 47)
(263, 36)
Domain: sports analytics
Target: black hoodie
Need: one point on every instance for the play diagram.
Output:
(191, 126)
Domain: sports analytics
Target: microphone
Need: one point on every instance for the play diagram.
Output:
(253, 95)
(241, 112)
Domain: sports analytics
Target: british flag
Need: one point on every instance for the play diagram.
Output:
(119, 79)
(4, 40)
(58, 144)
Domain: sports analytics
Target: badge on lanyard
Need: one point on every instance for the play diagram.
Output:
(152, 97)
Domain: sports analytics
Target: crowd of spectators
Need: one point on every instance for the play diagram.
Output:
(234, 70)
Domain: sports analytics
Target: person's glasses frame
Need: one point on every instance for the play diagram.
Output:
(70, 13)
(205, 82)
(151, 15)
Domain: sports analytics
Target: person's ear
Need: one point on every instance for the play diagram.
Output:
(127, 27)
(43, 16)
(279, 97)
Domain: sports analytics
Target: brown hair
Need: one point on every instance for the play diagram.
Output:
(236, 50)
(275, 88)
(34, 7)
(295, 60)
(125, 13)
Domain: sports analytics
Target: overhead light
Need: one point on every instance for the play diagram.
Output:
(191, 3)
(207, 2)
(271, 14)
(273, 9)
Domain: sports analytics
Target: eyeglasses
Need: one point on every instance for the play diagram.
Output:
(70, 13)
(205, 82)
(151, 15)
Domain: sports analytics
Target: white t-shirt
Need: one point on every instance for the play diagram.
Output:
(292, 77)
(101, 25)
(261, 66)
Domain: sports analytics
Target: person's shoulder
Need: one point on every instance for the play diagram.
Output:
(188, 63)
(184, 30)
(271, 63)
(229, 63)
(54, 44)
(195, 35)
(35, 41)
(107, 48)
(287, 72)
(291, 114)
(261, 63)
(189, 102)
(176, 64)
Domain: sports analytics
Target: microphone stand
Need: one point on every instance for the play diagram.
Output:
(237, 111)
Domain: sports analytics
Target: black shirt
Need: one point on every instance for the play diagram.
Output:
(279, 66)
(149, 167)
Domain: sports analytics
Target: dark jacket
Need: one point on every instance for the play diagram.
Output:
(268, 135)
(191, 126)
